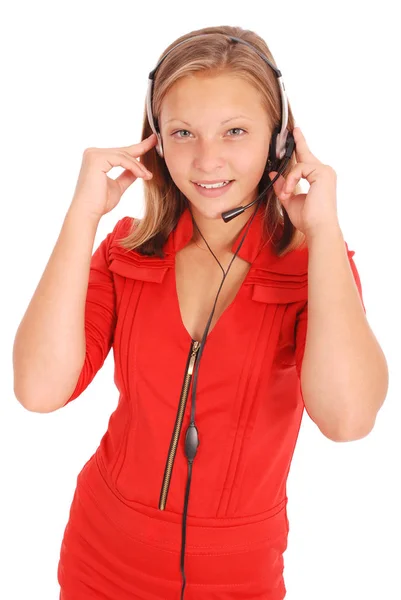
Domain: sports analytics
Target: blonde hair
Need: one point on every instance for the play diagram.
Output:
(164, 202)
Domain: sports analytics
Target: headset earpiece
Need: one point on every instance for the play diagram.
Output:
(159, 145)
(273, 152)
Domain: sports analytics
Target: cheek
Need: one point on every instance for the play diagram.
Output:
(178, 170)
(250, 162)
(251, 169)
(177, 161)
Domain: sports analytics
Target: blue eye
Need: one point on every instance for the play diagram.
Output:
(179, 131)
(238, 129)
(233, 129)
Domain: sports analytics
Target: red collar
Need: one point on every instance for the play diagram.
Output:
(275, 279)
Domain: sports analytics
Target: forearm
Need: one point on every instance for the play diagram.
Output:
(344, 375)
(49, 346)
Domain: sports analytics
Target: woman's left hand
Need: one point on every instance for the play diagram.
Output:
(317, 210)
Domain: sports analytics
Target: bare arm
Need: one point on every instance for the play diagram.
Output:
(67, 329)
(49, 346)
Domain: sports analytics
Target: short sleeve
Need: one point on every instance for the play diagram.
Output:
(302, 317)
(100, 315)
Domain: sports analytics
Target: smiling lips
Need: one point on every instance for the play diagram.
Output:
(213, 186)
(213, 192)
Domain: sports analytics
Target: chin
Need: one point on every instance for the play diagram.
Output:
(212, 208)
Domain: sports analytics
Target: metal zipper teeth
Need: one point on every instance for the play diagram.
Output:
(177, 427)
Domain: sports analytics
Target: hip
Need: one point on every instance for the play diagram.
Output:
(114, 549)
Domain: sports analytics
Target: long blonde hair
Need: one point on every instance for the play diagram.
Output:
(164, 202)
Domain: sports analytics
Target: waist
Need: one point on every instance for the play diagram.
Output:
(164, 528)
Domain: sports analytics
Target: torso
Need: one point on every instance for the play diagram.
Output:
(198, 278)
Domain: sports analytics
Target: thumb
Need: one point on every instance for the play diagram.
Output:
(125, 179)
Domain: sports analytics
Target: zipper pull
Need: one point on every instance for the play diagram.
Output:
(193, 357)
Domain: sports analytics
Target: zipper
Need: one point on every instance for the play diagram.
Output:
(178, 424)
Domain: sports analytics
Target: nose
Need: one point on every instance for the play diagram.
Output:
(209, 156)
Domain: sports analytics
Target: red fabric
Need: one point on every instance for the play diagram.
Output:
(117, 543)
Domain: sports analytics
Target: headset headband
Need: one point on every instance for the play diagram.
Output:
(282, 134)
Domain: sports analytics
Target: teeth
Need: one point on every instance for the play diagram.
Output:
(213, 185)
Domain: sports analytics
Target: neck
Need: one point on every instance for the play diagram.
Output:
(219, 235)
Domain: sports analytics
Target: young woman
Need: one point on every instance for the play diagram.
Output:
(177, 503)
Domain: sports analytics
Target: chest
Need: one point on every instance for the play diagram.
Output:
(197, 279)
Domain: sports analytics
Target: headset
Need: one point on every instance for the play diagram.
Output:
(281, 148)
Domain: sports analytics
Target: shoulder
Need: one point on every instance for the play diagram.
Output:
(125, 225)
(122, 229)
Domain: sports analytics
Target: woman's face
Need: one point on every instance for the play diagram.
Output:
(198, 146)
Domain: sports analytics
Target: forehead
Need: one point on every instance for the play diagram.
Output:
(218, 97)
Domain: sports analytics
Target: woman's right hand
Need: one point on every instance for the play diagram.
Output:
(98, 194)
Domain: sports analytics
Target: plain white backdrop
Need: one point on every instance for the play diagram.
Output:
(74, 75)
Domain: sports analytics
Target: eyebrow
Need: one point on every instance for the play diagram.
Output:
(222, 123)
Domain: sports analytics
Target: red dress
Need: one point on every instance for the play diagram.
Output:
(123, 537)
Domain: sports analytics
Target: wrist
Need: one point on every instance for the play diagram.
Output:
(328, 232)
(79, 211)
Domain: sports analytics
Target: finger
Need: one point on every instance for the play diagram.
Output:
(135, 166)
(125, 179)
(284, 187)
(302, 151)
(278, 184)
(147, 174)
(293, 178)
(308, 171)
(142, 146)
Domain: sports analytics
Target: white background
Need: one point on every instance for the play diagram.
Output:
(74, 75)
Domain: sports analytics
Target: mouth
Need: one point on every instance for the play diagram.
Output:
(213, 192)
